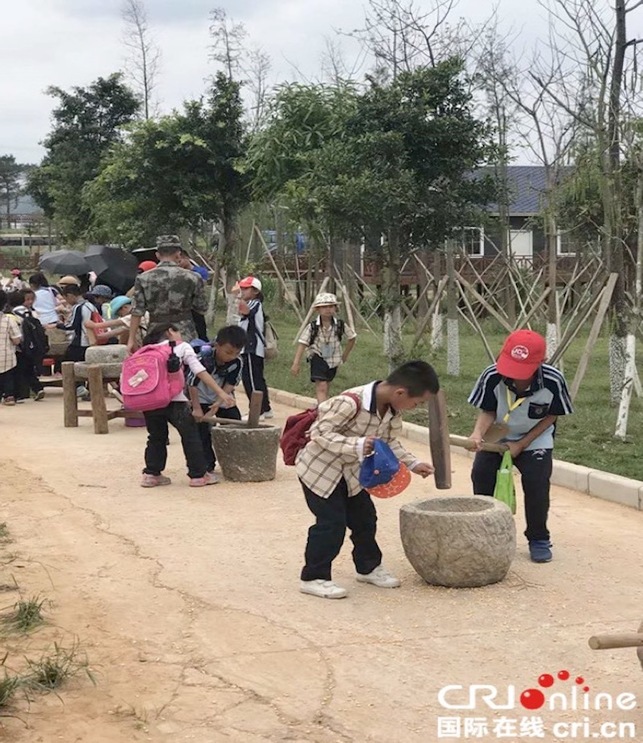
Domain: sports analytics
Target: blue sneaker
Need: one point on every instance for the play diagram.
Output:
(540, 550)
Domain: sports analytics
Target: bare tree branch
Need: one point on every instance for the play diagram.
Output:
(143, 61)
(227, 46)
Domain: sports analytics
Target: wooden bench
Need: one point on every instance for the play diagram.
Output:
(103, 365)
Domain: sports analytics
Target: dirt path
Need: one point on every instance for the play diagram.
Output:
(186, 603)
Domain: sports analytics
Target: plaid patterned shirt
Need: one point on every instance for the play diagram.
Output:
(336, 445)
(326, 343)
(9, 329)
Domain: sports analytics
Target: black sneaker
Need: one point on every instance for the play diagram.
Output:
(540, 550)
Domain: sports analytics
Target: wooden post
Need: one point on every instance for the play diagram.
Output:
(574, 329)
(99, 409)
(70, 401)
(476, 324)
(593, 336)
(485, 304)
(347, 304)
(432, 308)
(254, 412)
(439, 440)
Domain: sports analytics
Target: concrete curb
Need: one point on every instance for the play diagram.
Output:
(595, 483)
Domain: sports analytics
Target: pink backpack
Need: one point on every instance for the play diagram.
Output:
(146, 382)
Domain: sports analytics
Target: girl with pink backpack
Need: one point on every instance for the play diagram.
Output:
(152, 381)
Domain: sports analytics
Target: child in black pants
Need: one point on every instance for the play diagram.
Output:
(329, 465)
(223, 362)
(179, 415)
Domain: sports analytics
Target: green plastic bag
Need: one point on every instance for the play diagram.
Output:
(504, 490)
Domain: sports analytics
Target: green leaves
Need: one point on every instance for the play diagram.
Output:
(87, 122)
(174, 172)
(361, 162)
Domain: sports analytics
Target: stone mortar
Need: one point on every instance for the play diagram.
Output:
(459, 541)
(246, 454)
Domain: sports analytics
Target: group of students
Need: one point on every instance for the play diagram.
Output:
(31, 315)
(519, 395)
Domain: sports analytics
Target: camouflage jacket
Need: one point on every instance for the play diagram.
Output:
(170, 294)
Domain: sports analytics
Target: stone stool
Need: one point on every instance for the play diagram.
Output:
(102, 364)
(459, 541)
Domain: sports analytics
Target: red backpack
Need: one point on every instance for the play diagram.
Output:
(296, 434)
(99, 334)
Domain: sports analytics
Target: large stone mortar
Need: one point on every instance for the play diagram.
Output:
(109, 357)
(459, 541)
(246, 454)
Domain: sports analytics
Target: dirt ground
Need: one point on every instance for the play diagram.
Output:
(186, 604)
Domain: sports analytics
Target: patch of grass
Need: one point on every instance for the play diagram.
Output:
(9, 685)
(56, 666)
(25, 615)
(585, 438)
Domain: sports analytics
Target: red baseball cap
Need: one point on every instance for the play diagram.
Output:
(250, 282)
(146, 266)
(523, 352)
(399, 482)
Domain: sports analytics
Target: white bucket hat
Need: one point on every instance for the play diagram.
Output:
(325, 298)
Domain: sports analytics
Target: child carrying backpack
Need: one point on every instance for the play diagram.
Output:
(33, 347)
(152, 381)
(322, 340)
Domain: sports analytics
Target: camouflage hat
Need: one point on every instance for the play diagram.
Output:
(166, 241)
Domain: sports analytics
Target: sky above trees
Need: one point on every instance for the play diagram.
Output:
(72, 42)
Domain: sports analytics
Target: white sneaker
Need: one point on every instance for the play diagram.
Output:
(380, 577)
(325, 589)
(266, 416)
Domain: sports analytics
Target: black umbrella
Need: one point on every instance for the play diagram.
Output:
(112, 266)
(64, 262)
(145, 254)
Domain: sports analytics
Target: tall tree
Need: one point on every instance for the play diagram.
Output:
(257, 73)
(10, 173)
(86, 123)
(388, 165)
(227, 48)
(144, 56)
(590, 87)
(175, 173)
(403, 35)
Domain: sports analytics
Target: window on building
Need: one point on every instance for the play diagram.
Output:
(473, 240)
(565, 244)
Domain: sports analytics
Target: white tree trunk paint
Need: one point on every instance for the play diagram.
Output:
(233, 316)
(617, 352)
(393, 347)
(551, 336)
(453, 348)
(437, 331)
(628, 384)
(212, 302)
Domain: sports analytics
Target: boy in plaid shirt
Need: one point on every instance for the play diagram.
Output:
(328, 469)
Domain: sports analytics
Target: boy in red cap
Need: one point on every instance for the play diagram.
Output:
(524, 396)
